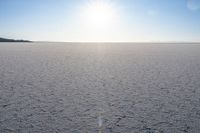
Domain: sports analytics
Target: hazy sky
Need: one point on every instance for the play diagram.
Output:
(100, 20)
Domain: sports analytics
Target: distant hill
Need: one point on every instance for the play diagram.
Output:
(12, 40)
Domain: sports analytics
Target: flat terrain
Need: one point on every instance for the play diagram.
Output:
(92, 88)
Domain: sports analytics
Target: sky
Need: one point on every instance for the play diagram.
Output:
(101, 20)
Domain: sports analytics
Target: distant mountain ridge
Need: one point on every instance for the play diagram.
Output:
(12, 40)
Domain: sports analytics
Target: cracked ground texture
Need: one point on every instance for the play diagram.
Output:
(92, 88)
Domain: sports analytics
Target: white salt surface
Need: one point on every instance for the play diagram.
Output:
(92, 88)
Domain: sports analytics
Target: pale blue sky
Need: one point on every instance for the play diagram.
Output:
(131, 20)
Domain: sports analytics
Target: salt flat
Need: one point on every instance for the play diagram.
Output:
(91, 88)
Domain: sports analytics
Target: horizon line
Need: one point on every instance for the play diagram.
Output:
(118, 41)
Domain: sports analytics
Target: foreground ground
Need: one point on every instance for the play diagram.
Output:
(91, 88)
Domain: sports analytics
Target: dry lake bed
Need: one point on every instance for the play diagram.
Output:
(99, 88)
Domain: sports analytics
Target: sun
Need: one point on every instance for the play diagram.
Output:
(99, 14)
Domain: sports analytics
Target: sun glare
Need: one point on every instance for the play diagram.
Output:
(99, 14)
